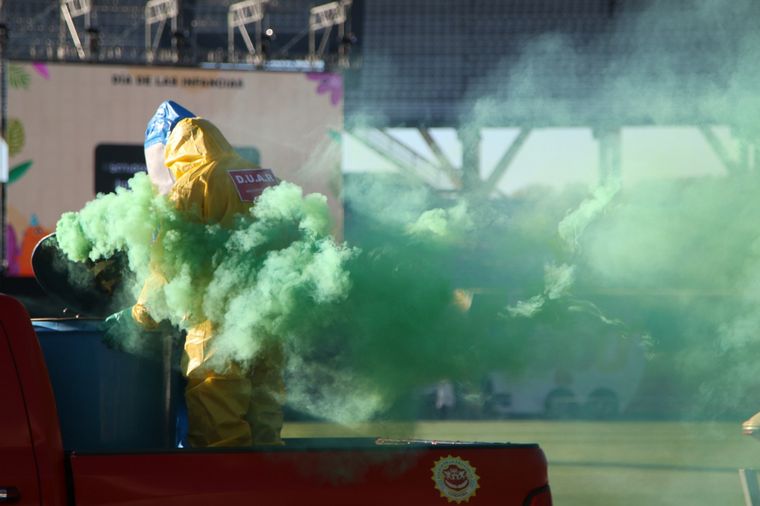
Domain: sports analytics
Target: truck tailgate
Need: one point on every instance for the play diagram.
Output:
(333, 472)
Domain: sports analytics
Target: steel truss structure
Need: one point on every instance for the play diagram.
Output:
(240, 15)
(323, 18)
(158, 12)
(71, 10)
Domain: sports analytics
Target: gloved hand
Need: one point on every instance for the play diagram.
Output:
(123, 333)
(120, 330)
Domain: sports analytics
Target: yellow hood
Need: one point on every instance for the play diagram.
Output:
(195, 144)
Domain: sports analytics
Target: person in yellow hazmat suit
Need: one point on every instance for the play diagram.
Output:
(204, 177)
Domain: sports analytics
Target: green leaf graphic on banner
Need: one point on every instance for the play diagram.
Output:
(18, 77)
(18, 171)
(16, 136)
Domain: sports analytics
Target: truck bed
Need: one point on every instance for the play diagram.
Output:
(41, 467)
(337, 472)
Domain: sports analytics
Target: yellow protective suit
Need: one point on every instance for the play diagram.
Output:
(237, 406)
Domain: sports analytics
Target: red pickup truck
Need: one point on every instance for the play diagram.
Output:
(76, 429)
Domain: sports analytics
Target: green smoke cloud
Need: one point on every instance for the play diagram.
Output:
(275, 275)
(365, 322)
(268, 263)
(680, 259)
(673, 260)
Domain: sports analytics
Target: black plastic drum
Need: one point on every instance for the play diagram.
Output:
(107, 399)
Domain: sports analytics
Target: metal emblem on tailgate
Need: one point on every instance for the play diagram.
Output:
(455, 479)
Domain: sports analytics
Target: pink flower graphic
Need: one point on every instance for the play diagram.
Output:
(41, 69)
(328, 83)
(11, 249)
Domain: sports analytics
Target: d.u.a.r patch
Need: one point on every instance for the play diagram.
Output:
(250, 183)
(455, 478)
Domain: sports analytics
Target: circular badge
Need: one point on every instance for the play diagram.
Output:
(455, 479)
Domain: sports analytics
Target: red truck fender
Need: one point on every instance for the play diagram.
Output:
(24, 383)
